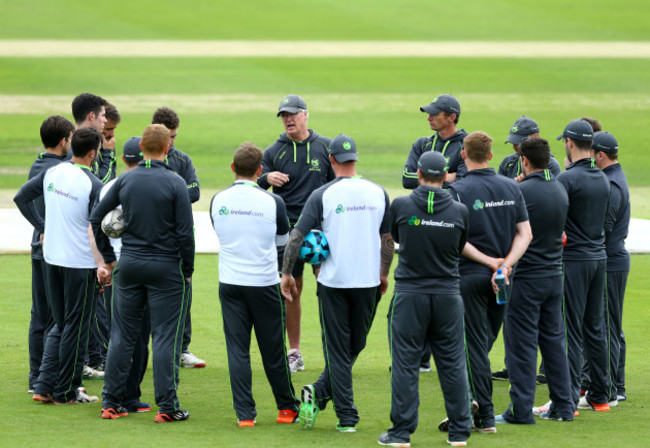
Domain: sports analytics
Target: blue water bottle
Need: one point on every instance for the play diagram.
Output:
(502, 293)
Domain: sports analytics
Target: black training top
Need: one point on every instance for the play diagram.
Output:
(431, 229)
(547, 204)
(44, 161)
(157, 216)
(181, 164)
(588, 190)
(617, 221)
(511, 166)
(495, 207)
(450, 148)
(308, 165)
(105, 165)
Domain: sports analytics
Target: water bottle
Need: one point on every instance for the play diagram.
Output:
(502, 293)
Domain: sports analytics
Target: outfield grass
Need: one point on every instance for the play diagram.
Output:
(206, 392)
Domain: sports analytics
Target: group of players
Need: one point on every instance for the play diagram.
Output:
(462, 222)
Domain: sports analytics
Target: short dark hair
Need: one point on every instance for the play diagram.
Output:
(86, 103)
(537, 151)
(85, 140)
(448, 114)
(112, 113)
(610, 156)
(54, 129)
(582, 145)
(247, 159)
(478, 146)
(431, 178)
(595, 124)
(167, 117)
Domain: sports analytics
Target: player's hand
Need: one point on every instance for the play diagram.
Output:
(277, 179)
(109, 143)
(520, 177)
(188, 279)
(288, 287)
(104, 275)
(383, 284)
(505, 272)
(41, 238)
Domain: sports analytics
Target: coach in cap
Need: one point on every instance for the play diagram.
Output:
(523, 128)
(617, 223)
(443, 114)
(431, 229)
(585, 264)
(295, 165)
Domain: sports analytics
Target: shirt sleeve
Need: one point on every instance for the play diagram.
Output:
(502, 167)
(385, 225)
(410, 172)
(109, 202)
(312, 212)
(554, 167)
(32, 189)
(465, 231)
(615, 201)
(104, 167)
(522, 211)
(185, 231)
(282, 222)
(394, 228)
(267, 165)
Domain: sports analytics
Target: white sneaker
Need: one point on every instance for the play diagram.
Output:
(542, 409)
(188, 360)
(295, 360)
(457, 442)
(83, 397)
(92, 374)
(613, 403)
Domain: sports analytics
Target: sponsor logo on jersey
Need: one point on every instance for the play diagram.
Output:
(52, 189)
(480, 205)
(223, 211)
(246, 213)
(415, 221)
(340, 209)
(354, 208)
(315, 165)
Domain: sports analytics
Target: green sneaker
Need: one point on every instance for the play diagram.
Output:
(309, 409)
(345, 428)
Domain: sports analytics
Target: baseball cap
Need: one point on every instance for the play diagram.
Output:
(605, 142)
(132, 151)
(523, 127)
(442, 103)
(292, 104)
(433, 163)
(578, 130)
(343, 149)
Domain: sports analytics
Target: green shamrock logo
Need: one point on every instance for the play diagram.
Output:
(478, 205)
(224, 211)
(340, 209)
(515, 128)
(414, 221)
(347, 146)
(50, 187)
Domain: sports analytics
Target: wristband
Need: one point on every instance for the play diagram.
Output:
(505, 266)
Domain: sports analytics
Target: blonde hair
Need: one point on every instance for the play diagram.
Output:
(478, 146)
(155, 139)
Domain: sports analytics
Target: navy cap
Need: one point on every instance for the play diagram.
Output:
(132, 151)
(343, 149)
(578, 130)
(292, 104)
(433, 163)
(523, 127)
(442, 103)
(605, 142)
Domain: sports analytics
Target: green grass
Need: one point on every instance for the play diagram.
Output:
(206, 392)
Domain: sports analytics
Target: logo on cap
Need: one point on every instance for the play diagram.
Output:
(347, 146)
(340, 209)
(224, 211)
(435, 100)
(50, 187)
(515, 128)
(414, 221)
(478, 205)
(286, 100)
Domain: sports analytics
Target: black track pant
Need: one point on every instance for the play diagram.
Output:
(415, 320)
(346, 315)
(40, 321)
(261, 308)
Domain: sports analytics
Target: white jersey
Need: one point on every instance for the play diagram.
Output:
(353, 213)
(115, 242)
(69, 191)
(250, 223)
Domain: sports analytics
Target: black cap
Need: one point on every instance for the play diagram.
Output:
(605, 142)
(523, 127)
(343, 149)
(292, 104)
(433, 163)
(578, 130)
(442, 103)
(132, 151)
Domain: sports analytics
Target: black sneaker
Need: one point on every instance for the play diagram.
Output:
(541, 379)
(170, 417)
(113, 413)
(388, 440)
(501, 375)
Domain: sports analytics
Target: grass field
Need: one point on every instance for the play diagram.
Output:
(224, 101)
(206, 392)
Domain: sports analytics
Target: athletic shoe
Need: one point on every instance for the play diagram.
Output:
(138, 407)
(113, 413)
(613, 403)
(501, 375)
(98, 367)
(498, 419)
(246, 423)
(457, 442)
(424, 369)
(486, 430)
(538, 410)
(443, 426)
(541, 379)
(583, 392)
(621, 397)
(43, 398)
(92, 374)
(30, 391)
(296, 362)
(600, 407)
(388, 440)
(188, 360)
(340, 428)
(309, 409)
(82, 398)
(170, 417)
(555, 416)
(287, 416)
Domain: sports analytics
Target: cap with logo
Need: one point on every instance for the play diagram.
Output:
(523, 127)
(132, 151)
(578, 130)
(442, 103)
(343, 149)
(605, 142)
(292, 104)
(433, 163)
